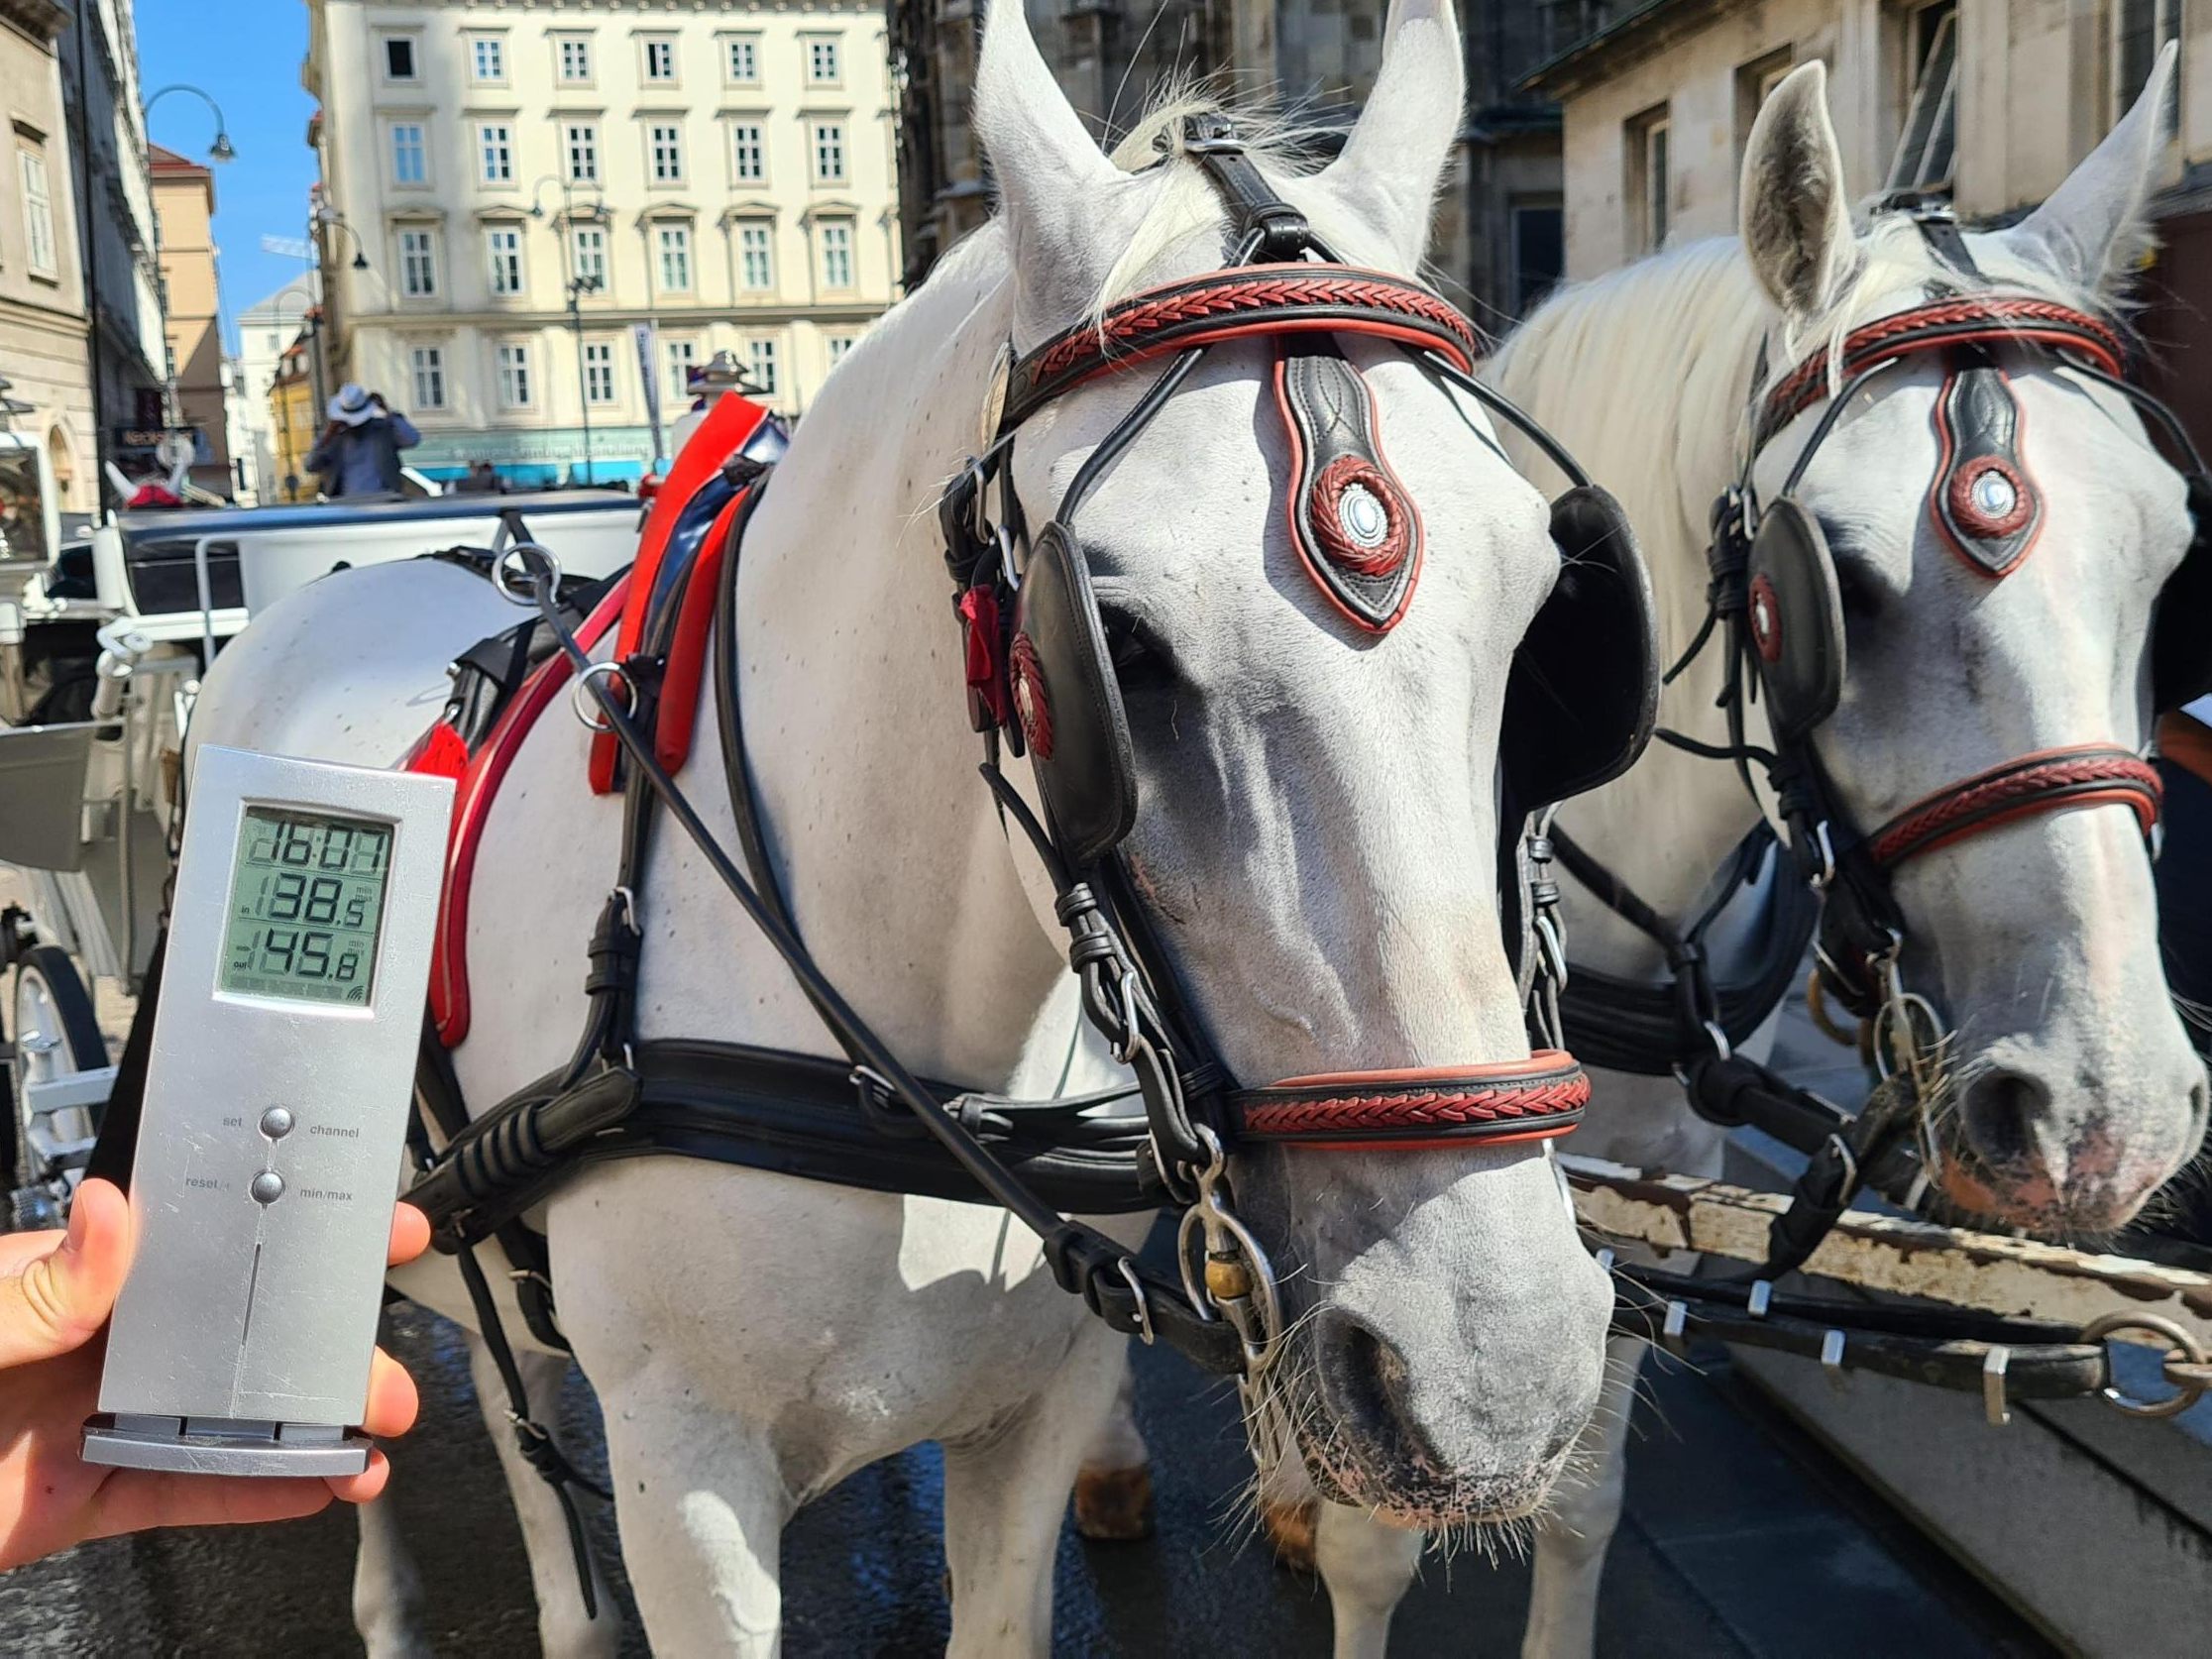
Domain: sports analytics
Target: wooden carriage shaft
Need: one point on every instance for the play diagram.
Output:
(2016, 1278)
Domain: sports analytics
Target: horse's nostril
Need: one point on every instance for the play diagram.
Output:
(2000, 1108)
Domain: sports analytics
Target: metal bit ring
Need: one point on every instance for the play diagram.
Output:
(2176, 1338)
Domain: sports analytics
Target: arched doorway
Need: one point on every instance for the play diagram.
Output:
(61, 457)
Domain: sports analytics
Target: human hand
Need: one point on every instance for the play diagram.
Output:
(56, 1290)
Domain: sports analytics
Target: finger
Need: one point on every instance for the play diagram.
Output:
(392, 1400)
(53, 1303)
(410, 1235)
(134, 1500)
(364, 1487)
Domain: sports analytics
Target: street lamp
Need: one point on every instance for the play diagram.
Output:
(220, 149)
(325, 216)
(577, 287)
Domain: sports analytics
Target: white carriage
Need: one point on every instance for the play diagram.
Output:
(102, 644)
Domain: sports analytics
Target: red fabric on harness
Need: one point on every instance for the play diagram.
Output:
(678, 709)
(2056, 780)
(1535, 1099)
(479, 782)
(728, 424)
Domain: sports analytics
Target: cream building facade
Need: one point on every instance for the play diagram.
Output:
(528, 183)
(43, 351)
(1991, 103)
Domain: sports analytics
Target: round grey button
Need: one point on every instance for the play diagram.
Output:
(267, 1187)
(276, 1122)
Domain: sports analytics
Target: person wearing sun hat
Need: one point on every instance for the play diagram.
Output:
(358, 453)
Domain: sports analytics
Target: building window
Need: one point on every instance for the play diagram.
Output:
(667, 146)
(583, 153)
(822, 62)
(829, 152)
(674, 241)
(488, 58)
(1540, 253)
(590, 254)
(38, 212)
(744, 60)
(1923, 160)
(683, 358)
(429, 377)
(505, 245)
(515, 390)
(751, 152)
(575, 58)
(761, 356)
(756, 258)
(419, 263)
(1756, 81)
(1647, 146)
(398, 57)
(496, 149)
(408, 161)
(660, 59)
(840, 344)
(598, 371)
(2139, 29)
(836, 254)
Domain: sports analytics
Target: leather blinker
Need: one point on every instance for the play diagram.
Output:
(1796, 619)
(1583, 691)
(1066, 704)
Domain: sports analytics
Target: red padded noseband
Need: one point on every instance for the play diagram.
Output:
(1535, 1099)
(2054, 780)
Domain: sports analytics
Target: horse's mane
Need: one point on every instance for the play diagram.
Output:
(1646, 374)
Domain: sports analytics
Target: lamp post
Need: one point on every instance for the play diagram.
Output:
(575, 288)
(220, 149)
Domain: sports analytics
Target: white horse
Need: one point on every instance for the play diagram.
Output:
(1322, 875)
(2073, 1086)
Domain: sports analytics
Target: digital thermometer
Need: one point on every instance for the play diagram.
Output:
(274, 1121)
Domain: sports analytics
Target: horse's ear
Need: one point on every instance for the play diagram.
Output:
(1795, 216)
(2092, 231)
(1049, 169)
(1393, 159)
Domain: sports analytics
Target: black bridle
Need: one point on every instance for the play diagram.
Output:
(1858, 931)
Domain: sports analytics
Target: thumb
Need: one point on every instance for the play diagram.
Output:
(55, 1303)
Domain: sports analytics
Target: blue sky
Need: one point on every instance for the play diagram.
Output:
(246, 54)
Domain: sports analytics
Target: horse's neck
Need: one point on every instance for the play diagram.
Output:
(899, 872)
(1666, 826)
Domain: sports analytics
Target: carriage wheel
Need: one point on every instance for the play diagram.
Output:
(56, 1034)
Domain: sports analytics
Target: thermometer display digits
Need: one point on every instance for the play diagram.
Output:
(307, 893)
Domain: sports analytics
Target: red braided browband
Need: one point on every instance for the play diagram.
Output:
(1982, 319)
(1510, 1100)
(1239, 303)
(2055, 780)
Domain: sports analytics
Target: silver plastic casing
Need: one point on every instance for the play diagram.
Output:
(242, 1341)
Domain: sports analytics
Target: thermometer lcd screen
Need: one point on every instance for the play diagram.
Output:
(307, 893)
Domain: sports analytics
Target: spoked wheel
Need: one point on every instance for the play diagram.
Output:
(57, 1037)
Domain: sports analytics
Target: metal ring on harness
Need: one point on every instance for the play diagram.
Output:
(2187, 1392)
(531, 563)
(591, 716)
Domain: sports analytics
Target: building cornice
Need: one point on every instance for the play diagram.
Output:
(42, 20)
(1636, 35)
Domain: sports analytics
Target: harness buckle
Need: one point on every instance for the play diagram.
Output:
(1128, 1270)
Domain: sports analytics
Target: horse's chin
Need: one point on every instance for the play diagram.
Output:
(1359, 1453)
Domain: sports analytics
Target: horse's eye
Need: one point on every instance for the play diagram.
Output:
(1860, 593)
(1140, 656)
